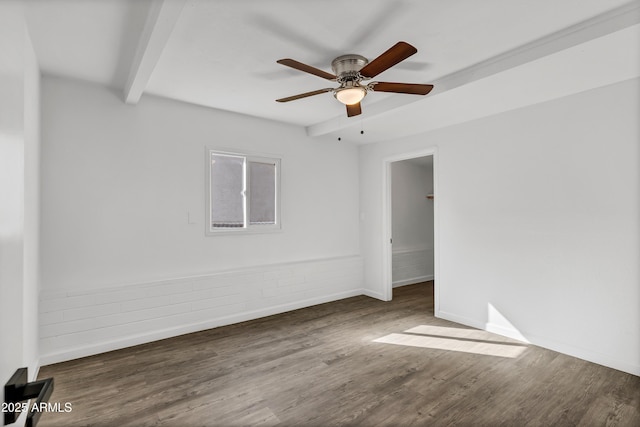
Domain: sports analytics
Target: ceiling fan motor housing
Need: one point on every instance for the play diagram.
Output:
(347, 67)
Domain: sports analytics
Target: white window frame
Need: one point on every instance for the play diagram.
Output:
(247, 228)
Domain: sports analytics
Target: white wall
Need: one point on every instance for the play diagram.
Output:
(539, 222)
(119, 183)
(19, 182)
(412, 222)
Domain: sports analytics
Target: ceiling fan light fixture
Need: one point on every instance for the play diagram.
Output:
(350, 95)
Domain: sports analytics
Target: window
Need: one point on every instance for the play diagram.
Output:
(243, 192)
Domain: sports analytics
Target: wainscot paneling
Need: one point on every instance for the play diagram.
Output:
(412, 265)
(77, 323)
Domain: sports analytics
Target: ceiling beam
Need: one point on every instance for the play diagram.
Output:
(161, 20)
(598, 26)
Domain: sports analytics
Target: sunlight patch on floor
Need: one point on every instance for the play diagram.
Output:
(449, 332)
(455, 339)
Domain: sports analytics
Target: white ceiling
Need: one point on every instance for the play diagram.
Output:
(222, 54)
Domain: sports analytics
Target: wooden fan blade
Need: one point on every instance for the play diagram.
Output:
(306, 68)
(411, 88)
(397, 53)
(354, 110)
(304, 95)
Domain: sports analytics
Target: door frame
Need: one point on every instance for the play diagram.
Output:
(387, 223)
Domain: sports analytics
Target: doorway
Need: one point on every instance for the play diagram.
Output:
(410, 253)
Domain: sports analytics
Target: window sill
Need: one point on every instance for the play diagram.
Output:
(231, 231)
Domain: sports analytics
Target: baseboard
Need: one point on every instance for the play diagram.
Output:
(412, 281)
(89, 350)
(459, 319)
(372, 294)
(580, 353)
(506, 332)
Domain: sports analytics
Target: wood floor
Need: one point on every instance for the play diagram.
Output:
(357, 361)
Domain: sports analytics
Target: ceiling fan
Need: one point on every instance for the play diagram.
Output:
(350, 70)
